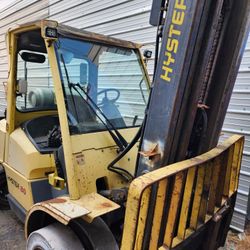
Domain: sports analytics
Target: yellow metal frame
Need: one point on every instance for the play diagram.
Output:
(74, 146)
(68, 155)
(212, 176)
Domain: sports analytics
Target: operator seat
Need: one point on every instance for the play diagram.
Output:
(81, 110)
(112, 113)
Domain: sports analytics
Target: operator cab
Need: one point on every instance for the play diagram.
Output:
(104, 88)
(76, 102)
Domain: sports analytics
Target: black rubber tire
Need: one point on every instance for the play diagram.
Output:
(95, 235)
(54, 237)
(4, 204)
(79, 235)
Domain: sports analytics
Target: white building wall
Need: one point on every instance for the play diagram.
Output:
(128, 19)
(19, 12)
(125, 19)
(237, 121)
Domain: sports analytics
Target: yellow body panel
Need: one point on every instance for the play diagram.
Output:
(19, 187)
(25, 159)
(93, 153)
(2, 138)
(99, 139)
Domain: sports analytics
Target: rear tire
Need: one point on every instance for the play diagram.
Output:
(55, 236)
(4, 204)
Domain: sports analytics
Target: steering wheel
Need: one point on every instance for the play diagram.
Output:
(105, 92)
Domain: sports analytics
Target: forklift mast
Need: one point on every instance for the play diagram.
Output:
(202, 44)
(188, 204)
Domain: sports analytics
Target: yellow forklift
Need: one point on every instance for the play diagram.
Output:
(94, 157)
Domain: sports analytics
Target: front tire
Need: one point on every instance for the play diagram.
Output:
(55, 236)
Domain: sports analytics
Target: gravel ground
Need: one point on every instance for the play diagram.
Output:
(12, 235)
(239, 241)
(11, 232)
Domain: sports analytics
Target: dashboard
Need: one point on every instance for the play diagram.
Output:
(44, 132)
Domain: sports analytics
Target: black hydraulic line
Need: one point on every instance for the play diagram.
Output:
(123, 151)
(141, 90)
(120, 171)
(122, 142)
(117, 141)
(121, 138)
(111, 166)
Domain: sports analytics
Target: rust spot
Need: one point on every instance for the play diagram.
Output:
(106, 204)
(56, 200)
(151, 152)
(202, 106)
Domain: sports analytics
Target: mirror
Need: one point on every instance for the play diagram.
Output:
(22, 86)
(33, 57)
(156, 11)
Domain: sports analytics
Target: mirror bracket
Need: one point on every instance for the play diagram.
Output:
(22, 86)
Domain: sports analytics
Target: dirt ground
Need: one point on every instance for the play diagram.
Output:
(11, 232)
(12, 235)
(236, 241)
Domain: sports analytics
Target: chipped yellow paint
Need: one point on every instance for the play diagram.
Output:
(228, 171)
(142, 219)
(158, 214)
(206, 190)
(234, 167)
(197, 198)
(63, 209)
(133, 205)
(186, 202)
(200, 178)
(239, 165)
(174, 205)
(214, 185)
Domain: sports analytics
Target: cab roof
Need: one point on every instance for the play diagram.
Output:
(74, 33)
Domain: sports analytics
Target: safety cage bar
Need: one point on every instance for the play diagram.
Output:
(168, 205)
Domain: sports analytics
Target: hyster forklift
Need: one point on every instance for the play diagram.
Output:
(94, 157)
